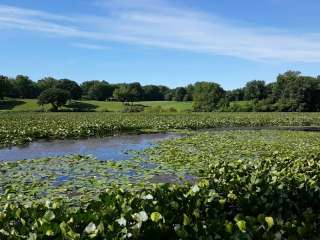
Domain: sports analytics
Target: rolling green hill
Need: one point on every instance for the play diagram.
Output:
(30, 105)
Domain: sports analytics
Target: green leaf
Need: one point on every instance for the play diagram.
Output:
(4, 232)
(228, 227)
(32, 236)
(18, 212)
(50, 232)
(232, 196)
(91, 228)
(241, 225)
(140, 216)
(156, 217)
(122, 221)
(195, 189)
(186, 220)
(269, 221)
(49, 216)
(222, 201)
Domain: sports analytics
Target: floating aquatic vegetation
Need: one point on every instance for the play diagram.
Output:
(20, 128)
(257, 185)
(74, 178)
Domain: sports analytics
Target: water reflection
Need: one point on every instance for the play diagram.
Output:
(109, 148)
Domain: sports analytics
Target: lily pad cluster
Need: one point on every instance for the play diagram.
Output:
(252, 185)
(19, 128)
(75, 179)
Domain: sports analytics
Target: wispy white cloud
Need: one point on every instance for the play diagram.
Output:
(90, 46)
(159, 23)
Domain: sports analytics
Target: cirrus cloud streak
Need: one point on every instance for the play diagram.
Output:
(157, 23)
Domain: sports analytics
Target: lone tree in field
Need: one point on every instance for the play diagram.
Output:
(54, 96)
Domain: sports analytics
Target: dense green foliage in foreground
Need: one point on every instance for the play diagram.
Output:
(18, 128)
(255, 187)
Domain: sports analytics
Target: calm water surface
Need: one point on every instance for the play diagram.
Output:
(109, 148)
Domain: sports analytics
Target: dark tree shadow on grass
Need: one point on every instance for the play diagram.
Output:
(10, 104)
(80, 107)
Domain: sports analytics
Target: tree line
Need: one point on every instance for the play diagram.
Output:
(290, 92)
(23, 87)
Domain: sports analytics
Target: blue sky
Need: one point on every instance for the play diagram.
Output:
(169, 42)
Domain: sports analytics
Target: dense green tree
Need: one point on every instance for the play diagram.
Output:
(85, 86)
(163, 91)
(46, 83)
(280, 88)
(129, 92)
(235, 95)
(269, 89)
(97, 90)
(122, 93)
(100, 91)
(179, 94)
(255, 90)
(152, 93)
(294, 92)
(71, 86)
(207, 96)
(169, 95)
(5, 86)
(290, 92)
(24, 87)
(189, 94)
(54, 96)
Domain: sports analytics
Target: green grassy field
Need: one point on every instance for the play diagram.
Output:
(30, 105)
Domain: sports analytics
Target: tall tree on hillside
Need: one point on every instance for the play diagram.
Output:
(207, 96)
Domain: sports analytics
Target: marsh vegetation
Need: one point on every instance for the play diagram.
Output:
(248, 184)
